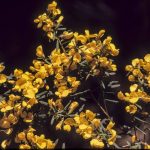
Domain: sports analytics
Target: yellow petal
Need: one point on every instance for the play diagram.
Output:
(2, 67)
(3, 78)
(4, 144)
(95, 143)
(147, 58)
(110, 125)
(67, 128)
(8, 131)
(39, 51)
(132, 109)
(133, 87)
(69, 121)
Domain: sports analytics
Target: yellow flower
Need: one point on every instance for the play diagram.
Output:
(101, 33)
(69, 121)
(107, 40)
(30, 92)
(50, 35)
(13, 97)
(67, 35)
(28, 117)
(147, 146)
(95, 143)
(113, 67)
(24, 103)
(86, 135)
(5, 143)
(131, 78)
(51, 103)
(113, 50)
(39, 51)
(2, 67)
(110, 125)
(63, 92)
(112, 139)
(133, 138)
(18, 73)
(96, 122)
(60, 19)
(133, 87)
(88, 35)
(59, 76)
(77, 119)
(133, 100)
(9, 131)
(147, 67)
(132, 109)
(120, 95)
(72, 44)
(21, 136)
(83, 127)
(4, 123)
(30, 136)
(52, 6)
(50, 144)
(90, 115)
(81, 38)
(12, 118)
(147, 58)
(4, 106)
(71, 79)
(77, 58)
(135, 62)
(31, 102)
(73, 106)
(3, 78)
(41, 142)
(128, 68)
(137, 72)
(59, 125)
(47, 87)
(24, 146)
(67, 128)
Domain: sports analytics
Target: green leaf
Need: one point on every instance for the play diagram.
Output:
(102, 84)
(82, 99)
(52, 120)
(61, 29)
(43, 103)
(56, 141)
(115, 86)
(82, 107)
(109, 100)
(42, 116)
(63, 146)
(57, 44)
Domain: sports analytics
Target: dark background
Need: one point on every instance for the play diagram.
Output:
(127, 21)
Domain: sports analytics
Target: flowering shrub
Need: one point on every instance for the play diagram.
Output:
(57, 87)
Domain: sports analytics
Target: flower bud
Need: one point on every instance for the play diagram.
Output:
(73, 106)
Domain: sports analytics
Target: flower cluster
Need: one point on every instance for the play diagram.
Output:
(31, 140)
(54, 85)
(139, 71)
(75, 58)
(51, 21)
(3, 77)
(90, 127)
(139, 74)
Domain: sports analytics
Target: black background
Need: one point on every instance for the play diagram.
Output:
(127, 21)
